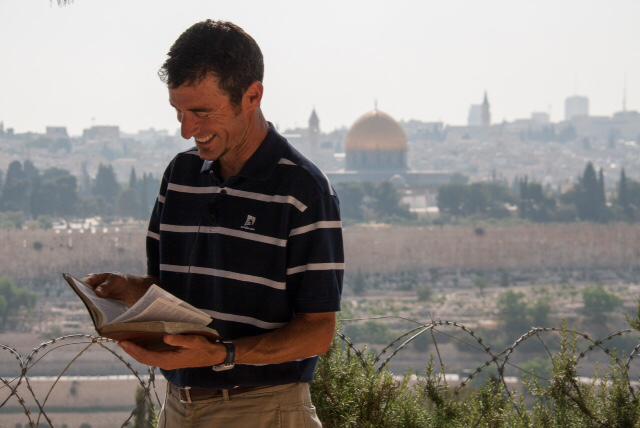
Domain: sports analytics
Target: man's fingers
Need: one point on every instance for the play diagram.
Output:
(106, 284)
(142, 355)
(189, 341)
(95, 279)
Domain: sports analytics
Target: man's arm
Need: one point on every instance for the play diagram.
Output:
(305, 336)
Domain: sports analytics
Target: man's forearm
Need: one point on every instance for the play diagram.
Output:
(305, 336)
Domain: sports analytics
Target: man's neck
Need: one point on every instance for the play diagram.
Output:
(232, 163)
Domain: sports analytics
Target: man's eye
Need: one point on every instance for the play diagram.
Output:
(202, 114)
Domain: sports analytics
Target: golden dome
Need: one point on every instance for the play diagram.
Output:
(376, 131)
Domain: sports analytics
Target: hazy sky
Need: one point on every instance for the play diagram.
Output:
(95, 61)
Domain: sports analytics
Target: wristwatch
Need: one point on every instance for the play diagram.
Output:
(230, 359)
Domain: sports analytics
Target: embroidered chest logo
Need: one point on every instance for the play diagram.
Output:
(249, 223)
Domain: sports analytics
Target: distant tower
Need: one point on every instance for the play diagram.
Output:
(624, 95)
(576, 106)
(314, 128)
(486, 111)
(314, 122)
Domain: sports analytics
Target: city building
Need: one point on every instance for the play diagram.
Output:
(576, 106)
(376, 142)
(56, 132)
(540, 118)
(486, 111)
(313, 129)
(376, 150)
(475, 115)
(480, 114)
(103, 132)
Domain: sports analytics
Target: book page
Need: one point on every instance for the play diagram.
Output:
(156, 292)
(163, 309)
(109, 309)
(159, 305)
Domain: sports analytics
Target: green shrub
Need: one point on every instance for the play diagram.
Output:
(349, 391)
(598, 302)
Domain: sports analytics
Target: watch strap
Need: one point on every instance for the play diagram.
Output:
(230, 359)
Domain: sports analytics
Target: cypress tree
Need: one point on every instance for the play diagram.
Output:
(106, 189)
(601, 199)
(14, 197)
(623, 195)
(133, 180)
(588, 201)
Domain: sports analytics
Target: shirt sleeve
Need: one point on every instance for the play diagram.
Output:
(315, 257)
(153, 231)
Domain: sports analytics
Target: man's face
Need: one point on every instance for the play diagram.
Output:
(206, 115)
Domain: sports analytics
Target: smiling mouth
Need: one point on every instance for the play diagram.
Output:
(203, 141)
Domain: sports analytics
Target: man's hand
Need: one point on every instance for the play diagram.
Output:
(192, 351)
(126, 288)
(306, 335)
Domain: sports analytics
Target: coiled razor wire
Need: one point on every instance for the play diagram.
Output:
(500, 359)
(38, 353)
(380, 360)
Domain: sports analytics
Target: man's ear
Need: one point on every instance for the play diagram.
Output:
(252, 97)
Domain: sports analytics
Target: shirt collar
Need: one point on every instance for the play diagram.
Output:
(263, 161)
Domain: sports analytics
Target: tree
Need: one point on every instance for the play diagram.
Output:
(55, 193)
(512, 312)
(623, 200)
(451, 199)
(85, 181)
(387, 203)
(484, 199)
(598, 302)
(539, 313)
(106, 186)
(360, 201)
(16, 298)
(129, 203)
(601, 198)
(144, 414)
(424, 292)
(14, 195)
(589, 196)
(133, 180)
(532, 203)
(369, 332)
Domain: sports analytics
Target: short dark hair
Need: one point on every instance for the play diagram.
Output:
(217, 47)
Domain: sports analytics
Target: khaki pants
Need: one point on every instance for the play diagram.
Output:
(282, 406)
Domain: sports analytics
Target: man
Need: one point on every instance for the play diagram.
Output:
(246, 229)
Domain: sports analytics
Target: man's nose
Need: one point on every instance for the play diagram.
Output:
(188, 126)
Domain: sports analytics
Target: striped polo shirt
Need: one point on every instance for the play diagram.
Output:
(251, 250)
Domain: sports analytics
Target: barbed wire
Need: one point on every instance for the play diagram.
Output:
(498, 359)
(32, 360)
(380, 360)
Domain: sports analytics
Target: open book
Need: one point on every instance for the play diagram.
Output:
(155, 314)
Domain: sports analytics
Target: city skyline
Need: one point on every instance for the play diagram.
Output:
(90, 63)
(534, 116)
